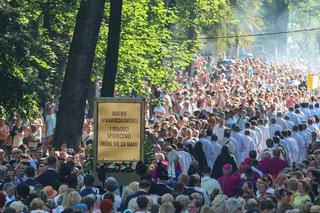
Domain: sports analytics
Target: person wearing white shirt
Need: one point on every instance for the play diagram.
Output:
(253, 134)
(159, 112)
(300, 115)
(317, 108)
(189, 139)
(305, 110)
(312, 127)
(208, 183)
(143, 203)
(285, 144)
(240, 141)
(290, 124)
(312, 112)
(249, 144)
(173, 159)
(167, 103)
(216, 148)
(51, 122)
(273, 127)
(265, 133)
(294, 146)
(210, 148)
(258, 132)
(231, 143)
(302, 144)
(280, 121)
(184, 158)
(87, 134)
(293, 116)
(304, 133)
(197, 187)
(9, 190)
(241, 119)
(219, 129)
(186, 108)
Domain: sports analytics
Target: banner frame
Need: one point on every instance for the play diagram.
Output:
(97, 101)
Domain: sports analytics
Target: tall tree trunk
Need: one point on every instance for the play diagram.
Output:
(110, 69)
(77, 77)
(281, 25)
(191, 34)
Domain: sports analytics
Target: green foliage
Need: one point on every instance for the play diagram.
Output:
(35, 36)
(34, 40)
(3, 113)
(153, 47)
(19, 63)
(304, 14)
(148, 152)
(88, 166)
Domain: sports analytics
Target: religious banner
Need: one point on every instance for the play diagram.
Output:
(119, 129)
(312, 81)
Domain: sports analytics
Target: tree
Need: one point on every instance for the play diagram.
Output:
(78, 72)
(110, 70)
(34, 39)
(304, 14)
(247, 20)
(281, 25)
(21, 60)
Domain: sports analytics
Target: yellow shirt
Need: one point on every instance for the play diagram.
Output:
(299, 199)
(292, 197)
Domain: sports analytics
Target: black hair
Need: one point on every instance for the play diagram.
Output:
(249, 173)
(192, 181)
(178, 206)
(266, 204)
(144, 184)
(206, 170)
(178, 187)
(23, 190)
(226, 133)
(214, 137)
(51, 161)
(247, 125)
(142, 202)
(269, 142)
(29, 171)
(253, 154)
(109, 195)
(209, 132)
(88, 180)
(9, 210)
(141, 168)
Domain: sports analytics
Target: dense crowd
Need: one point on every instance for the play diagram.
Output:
(241, 137)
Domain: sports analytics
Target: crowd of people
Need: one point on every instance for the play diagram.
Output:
(242, 137)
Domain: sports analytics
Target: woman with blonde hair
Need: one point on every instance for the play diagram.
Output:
(71, 198)
(207, 209)
(167, 207)
(167, 198)
(37, 205)
(303, 195)
(129, 190)
(184, 201)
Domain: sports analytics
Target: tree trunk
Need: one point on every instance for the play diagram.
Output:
(191, 34)
(281, 25)
(110, 69)
(78, 72)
